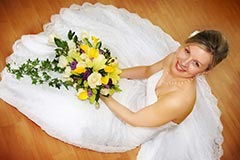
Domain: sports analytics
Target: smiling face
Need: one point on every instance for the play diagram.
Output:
(190, 60)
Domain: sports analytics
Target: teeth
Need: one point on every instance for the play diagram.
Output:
(179, 67)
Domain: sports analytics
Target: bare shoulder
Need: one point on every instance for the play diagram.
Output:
(185, 100)
(180, 102)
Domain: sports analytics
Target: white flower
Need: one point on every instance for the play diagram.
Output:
(84, 56)
(193, 33)
(85, 34)
(64, 79)
(51, 38)
(81, 64)
(67, 74)
(94, 79)
(63, 62)
(80, 90)
(104, 91)
(71, 45)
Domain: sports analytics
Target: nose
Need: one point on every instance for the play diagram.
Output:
(186, 62)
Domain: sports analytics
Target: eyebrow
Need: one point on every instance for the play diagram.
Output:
(190, 51)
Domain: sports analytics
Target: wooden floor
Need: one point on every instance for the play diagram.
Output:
(21, 139)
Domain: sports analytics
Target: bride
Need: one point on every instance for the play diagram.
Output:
(165, 106)
(176, 89)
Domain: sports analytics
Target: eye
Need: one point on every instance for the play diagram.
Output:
(196, 63)
(187, 52)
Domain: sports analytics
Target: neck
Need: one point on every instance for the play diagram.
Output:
(171, 79)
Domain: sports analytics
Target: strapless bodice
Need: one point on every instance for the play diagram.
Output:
(152, 81)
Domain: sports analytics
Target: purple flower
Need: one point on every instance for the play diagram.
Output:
(81, 51)
(106, 86)
(89, 93)
(73, 65)
(75, 79)
(86, 74)
(100, 51)
(109, 82)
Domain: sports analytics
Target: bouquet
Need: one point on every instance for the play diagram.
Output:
(82, 63)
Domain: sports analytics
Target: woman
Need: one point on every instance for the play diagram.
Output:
(176, 90)
(63, 116)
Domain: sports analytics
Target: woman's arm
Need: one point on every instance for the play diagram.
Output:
(157, 114)
(142, 72)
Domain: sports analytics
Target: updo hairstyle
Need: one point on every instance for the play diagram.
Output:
(213, 42)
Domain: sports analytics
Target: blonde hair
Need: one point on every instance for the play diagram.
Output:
(213, 42)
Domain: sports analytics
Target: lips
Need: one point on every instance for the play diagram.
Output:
(179, 67)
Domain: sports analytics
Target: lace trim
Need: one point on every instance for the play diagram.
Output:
(218, 140)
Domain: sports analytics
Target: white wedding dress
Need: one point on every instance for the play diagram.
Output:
(135, 41)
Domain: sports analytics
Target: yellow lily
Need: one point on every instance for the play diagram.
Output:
(105, 80)
(95, 40)
(84, 47)
(83, 95)
(109, 69)
(92, 53)
(115, 75)
(97, 63)
(79, 70)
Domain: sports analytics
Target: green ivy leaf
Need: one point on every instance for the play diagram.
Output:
(67, 84)
(70, 35)
(98, 45)
(75, 39)
(86, 41)
(58, 42)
